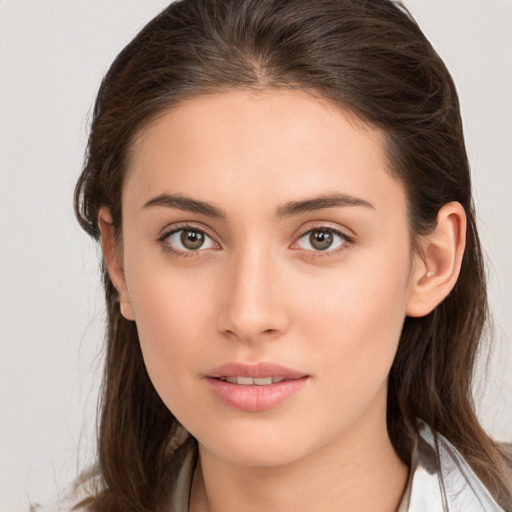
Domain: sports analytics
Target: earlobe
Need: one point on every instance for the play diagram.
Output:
(112, 260)
(436, 270)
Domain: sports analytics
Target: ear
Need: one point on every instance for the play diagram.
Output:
(436, 270)
(113, 261)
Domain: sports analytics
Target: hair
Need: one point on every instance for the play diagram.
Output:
(371, 58)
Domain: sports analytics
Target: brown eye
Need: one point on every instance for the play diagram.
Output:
(322, 239)
(192, 240)
(188, 240)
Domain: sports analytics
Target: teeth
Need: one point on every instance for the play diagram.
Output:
(264, 381)
(245, 381)
(257, 381)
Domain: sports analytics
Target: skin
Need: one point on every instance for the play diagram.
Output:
(258, 290)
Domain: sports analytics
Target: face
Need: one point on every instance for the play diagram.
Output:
(267, 265)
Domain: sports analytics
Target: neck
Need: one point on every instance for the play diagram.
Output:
(358, 471)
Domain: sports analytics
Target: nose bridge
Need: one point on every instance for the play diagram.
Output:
(252, 306)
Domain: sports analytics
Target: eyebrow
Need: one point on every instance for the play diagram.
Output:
(320, 203)
(287, 210)
(186, 204)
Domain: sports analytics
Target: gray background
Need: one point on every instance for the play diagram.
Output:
(52, 57)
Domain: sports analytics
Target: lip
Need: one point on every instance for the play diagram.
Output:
(257, 370)
(255, 398)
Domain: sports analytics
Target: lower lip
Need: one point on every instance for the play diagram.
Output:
(255, 398)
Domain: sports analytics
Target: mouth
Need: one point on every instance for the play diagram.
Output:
(255, 387)
(250, 381)
(248, 374)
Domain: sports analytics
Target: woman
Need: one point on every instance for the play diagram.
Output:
(293, 274)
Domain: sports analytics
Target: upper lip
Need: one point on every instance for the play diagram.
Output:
(257, 370)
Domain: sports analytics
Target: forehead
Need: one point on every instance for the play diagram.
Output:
(233, 142)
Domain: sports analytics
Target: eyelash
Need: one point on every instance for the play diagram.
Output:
(162, 240)
(347, 240)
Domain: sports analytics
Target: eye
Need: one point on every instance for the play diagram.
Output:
(188, 239)
(322, 239)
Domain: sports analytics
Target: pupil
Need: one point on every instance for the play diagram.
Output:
(192, 239)
(321, 240)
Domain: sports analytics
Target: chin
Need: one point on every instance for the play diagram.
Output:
(257, 443)
(264, 455)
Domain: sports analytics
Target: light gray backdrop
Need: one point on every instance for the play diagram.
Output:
(52, 57)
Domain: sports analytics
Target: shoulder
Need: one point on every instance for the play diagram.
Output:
(59, 506)
(70, 499)
(442, 480)
(89, 485)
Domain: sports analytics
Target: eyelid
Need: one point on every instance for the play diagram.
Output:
(327, 226)
(183, 226)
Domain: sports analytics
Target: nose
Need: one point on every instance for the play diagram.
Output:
(253, 307)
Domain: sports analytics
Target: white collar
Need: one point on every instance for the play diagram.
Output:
(442, 481)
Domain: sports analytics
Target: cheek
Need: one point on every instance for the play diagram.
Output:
(355, 321)
(171, 314)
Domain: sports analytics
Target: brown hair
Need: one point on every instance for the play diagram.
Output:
(369, 56)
